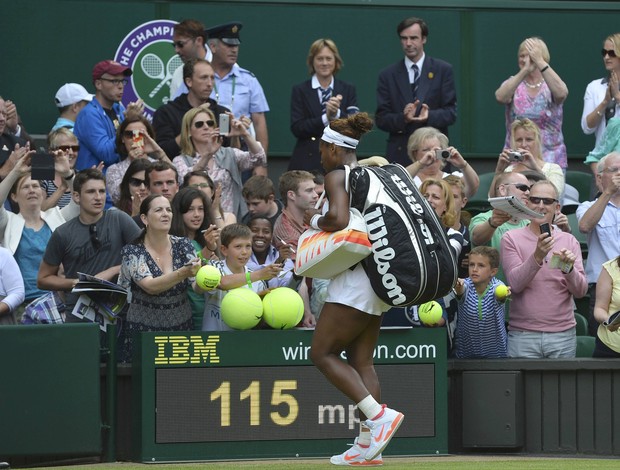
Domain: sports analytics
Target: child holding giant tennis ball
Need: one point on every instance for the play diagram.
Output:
(244, 308)
(480, 327)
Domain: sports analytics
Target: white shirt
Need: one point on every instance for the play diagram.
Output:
(595, 94)
(409, 63)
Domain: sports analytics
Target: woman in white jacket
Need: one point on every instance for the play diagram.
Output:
(26, 233)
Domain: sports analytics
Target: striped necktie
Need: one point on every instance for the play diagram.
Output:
(416, 79)
(326, 94)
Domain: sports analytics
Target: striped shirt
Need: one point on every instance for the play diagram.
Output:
(480, 328)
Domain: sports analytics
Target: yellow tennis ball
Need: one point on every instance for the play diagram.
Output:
(208, 277)
(430, 312)
(501, 292)
(241, 308)
(283, 308)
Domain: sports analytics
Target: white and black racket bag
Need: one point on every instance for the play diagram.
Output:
(411, 260)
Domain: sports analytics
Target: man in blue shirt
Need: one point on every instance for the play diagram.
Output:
(236, 88)
(97, 122)
(599, 219)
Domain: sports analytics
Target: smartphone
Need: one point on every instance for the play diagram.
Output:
(42, 166)
(138, 138)
(224, 124)
(545, 228)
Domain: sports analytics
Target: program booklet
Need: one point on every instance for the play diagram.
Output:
(100, 301)
(613, 320)
(514, 207)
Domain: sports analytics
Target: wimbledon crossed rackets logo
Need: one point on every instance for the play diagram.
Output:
(153, 68)
(148, 51)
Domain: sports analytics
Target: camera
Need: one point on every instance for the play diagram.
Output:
(444, 154)
(515, 156)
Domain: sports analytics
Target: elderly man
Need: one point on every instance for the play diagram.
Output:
(544, 268)
(199, 78)
(415, 92)
(599, 220)
(236, 88)
(188, 39)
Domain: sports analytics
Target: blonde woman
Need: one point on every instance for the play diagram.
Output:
(438, 193)
(537, 92)
(525, 153)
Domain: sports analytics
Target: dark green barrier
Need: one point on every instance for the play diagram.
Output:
(49, 390)
(255, 394)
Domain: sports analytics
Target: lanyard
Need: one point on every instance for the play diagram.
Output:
(232, 97)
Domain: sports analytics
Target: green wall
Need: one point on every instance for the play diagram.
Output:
(49, 42)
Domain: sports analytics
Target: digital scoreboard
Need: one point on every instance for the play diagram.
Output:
(255, 394)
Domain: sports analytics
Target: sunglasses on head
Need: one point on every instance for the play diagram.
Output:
(547, 201)
(199, 124)
(66, 148)
(137, 182)
(609, 52)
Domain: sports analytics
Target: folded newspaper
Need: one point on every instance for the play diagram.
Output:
(613, 320)
(514, 207)
(100, 301)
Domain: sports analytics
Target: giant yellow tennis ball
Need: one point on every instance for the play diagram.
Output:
(430, 313)
(208, 277)
(501, 292)
(283, 308)
(241, 308)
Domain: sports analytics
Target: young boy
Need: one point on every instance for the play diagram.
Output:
(480, 328)
(260, 197)
(236, 248)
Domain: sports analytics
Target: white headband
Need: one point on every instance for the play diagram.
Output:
(334, 137)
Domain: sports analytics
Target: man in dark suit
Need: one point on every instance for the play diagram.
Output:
(415, 92)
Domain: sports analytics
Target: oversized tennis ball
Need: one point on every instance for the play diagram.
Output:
(430, 313)
(241, 308)
(208, 277)
(283, 308)
(501, 292)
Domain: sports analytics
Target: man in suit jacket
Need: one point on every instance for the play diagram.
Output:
(415, 92)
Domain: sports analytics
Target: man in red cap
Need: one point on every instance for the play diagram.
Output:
(97, 122)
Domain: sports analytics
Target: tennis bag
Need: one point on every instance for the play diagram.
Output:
(411, 261)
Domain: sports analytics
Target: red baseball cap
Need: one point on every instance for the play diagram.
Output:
(111, 67)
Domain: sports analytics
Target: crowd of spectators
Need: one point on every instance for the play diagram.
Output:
(145, 204)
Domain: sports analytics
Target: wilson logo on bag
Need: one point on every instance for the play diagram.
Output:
(411, 261)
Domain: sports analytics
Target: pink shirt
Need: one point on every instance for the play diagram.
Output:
(542, 297)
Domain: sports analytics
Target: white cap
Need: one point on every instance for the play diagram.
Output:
(71, 93)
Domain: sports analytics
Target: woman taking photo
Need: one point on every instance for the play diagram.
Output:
(601, 101)
(133, 188)
(157, 269)
(317, 102)
(135, 139)
(27, 232)
(351, 316)
(525, 140)
(537, 92)
(201, 149)
(422, 148)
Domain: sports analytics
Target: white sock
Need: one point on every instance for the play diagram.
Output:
(364, 438)
(370, 407)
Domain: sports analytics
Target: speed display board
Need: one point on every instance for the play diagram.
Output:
(253, 394)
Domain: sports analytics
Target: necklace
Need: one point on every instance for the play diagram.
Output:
(533, 86)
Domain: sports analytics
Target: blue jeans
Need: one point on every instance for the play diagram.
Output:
(540, 344)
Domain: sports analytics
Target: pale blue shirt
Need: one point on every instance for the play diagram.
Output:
(240, 91)
(603, 240)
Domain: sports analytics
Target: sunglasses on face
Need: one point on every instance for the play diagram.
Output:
(520, 186)
(547, 201)
(129, 134)
(180, 44)
(199, 124)
(136, 182)
(609, 52)
(66, 148)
